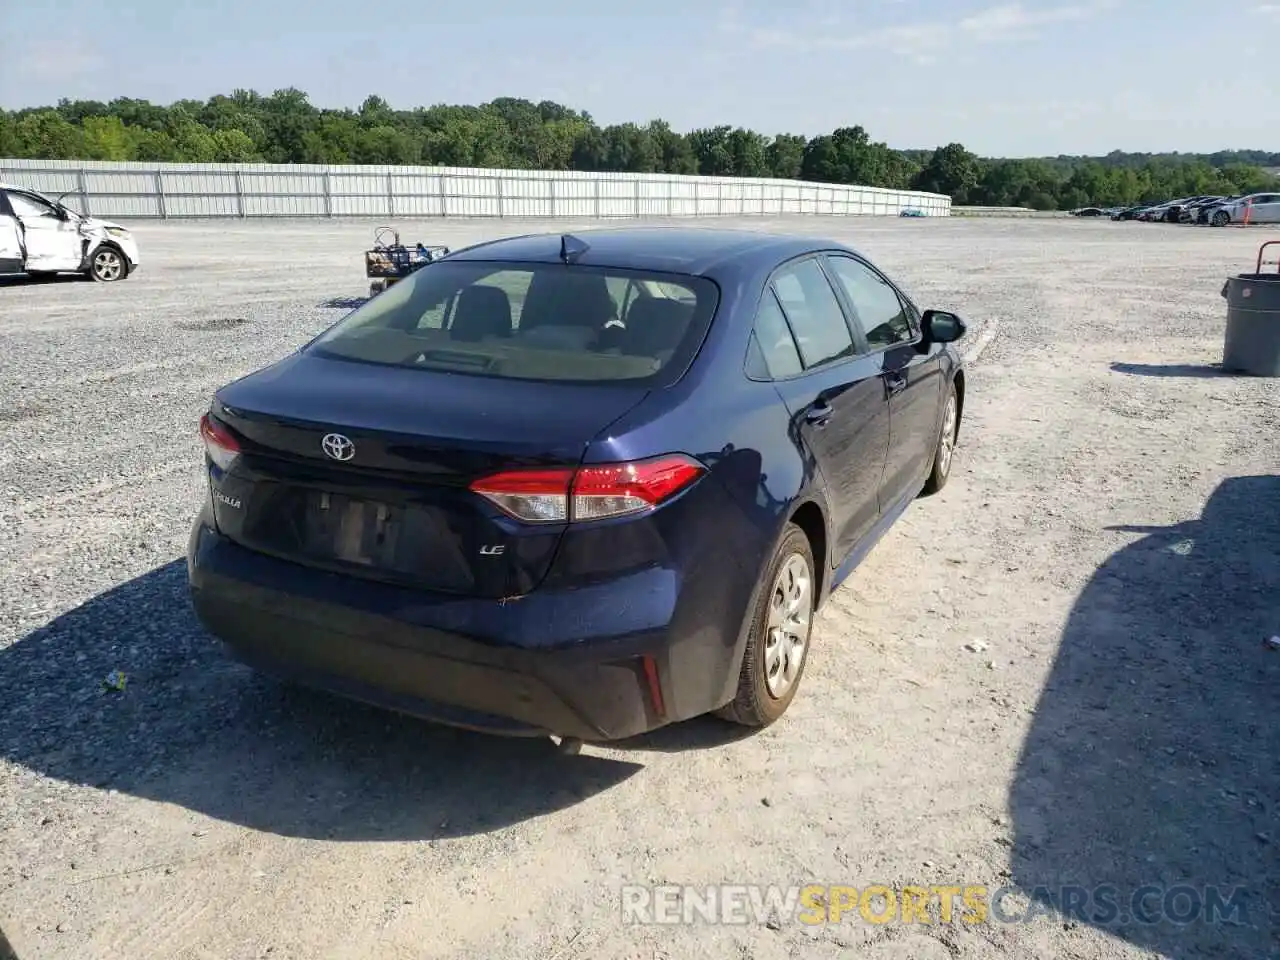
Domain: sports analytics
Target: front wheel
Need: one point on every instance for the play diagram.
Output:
(944, 451)
(108, 265)
(1221, 218)
(778, 644)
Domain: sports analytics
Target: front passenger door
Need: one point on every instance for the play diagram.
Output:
(1267, 209)
(11, 258)
(912, 379)
(836, 401)
(53, 243)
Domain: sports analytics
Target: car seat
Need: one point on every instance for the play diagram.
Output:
(481, 312)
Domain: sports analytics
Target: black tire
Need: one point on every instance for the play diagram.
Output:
(761, 697)
(945, 447)
(1220, 218)
(107, 265)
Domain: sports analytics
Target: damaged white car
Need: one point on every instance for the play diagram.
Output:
(39, 236)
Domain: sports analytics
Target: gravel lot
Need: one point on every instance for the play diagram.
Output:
(1053, 673)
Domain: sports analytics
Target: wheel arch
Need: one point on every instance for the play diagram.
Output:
(810, 515)
(91, 251)
(812, 521)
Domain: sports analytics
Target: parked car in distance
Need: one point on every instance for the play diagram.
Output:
(1173, 209)
(580, 486)
(1256, 207)
(1190, 213)
(1129, 213)
(1088, 212)
(1205, 211)
(39, 236)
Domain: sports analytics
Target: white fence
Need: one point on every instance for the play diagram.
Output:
(171, 190)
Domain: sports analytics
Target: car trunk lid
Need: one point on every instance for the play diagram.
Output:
(389, 498)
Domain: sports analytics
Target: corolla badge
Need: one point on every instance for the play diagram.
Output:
(337, 447)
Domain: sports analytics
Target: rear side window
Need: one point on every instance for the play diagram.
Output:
(773, 336)
(881, 313)
(816, 317)
(531, 321)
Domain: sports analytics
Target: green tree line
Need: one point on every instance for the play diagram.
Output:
(285, 127)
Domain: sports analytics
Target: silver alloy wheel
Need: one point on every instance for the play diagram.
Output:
(947, 442)
(787, 630)
(107, 265)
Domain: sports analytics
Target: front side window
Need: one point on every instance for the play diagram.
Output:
(881, 313)
(26, 205)
(816, 318)
(531, 321)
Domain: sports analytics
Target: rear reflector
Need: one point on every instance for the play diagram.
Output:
(655, 685)
(219, 442)
(593, 492)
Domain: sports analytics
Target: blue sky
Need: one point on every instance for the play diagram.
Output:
(1009, 79)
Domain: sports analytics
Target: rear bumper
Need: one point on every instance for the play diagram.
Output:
(581, 663)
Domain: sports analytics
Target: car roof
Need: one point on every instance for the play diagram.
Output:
(14, 186)
(689, 250)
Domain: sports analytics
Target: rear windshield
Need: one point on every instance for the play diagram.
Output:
(530, 321)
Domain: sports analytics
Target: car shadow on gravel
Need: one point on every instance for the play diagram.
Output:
(343, 303)
(24, 281)
(1201, 371)
(1150, 779)
(194, 728)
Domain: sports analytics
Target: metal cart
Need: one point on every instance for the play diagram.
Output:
(390, 261)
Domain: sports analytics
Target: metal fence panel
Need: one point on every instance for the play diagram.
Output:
(357, 206)
(196, 206)
(169, 190)
(283, 206)
(124, 208)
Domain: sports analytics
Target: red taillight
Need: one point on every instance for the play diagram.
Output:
(218, 441)
(593, 492)
(617, 489)
(538, 496)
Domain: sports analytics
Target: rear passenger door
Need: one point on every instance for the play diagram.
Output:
(912, 378)
(835, 397)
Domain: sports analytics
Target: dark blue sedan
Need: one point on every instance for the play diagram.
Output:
(580, 486)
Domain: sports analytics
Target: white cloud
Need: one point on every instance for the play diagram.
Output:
(1268, 10)
(1014, 20)
(53, 59)
(922, 41)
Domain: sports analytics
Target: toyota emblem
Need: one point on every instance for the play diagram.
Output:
(337, 447)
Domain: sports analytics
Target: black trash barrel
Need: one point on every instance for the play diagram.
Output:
(1253, 324)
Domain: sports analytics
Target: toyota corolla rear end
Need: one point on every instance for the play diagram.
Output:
(415, 510)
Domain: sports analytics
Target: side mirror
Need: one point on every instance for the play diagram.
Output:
(942, 327)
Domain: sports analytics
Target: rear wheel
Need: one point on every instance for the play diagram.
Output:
(107, 265)
(778, 644)
(944, 452)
